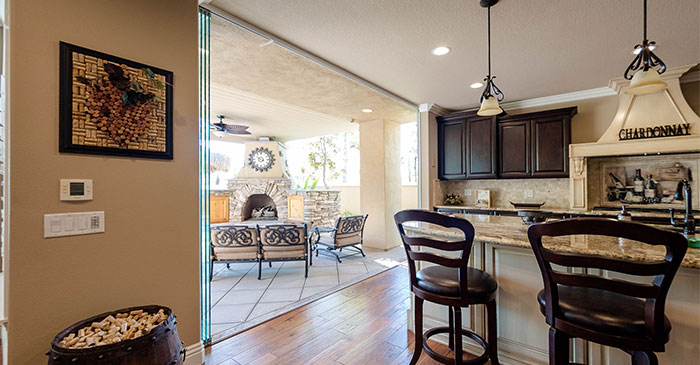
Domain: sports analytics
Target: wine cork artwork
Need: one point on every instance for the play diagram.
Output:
(113, 106)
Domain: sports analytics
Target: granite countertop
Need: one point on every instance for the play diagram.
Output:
(611, 212)
(510, 231)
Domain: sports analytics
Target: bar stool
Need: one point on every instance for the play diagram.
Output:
(450, 282)
(604, 310)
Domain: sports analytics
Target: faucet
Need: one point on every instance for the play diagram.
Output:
(688, 223)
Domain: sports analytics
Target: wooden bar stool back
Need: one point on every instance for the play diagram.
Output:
(610, 311)
(451, 282)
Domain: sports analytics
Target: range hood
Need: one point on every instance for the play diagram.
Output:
(657, 123)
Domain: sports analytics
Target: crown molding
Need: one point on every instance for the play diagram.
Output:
(433, 108)
(555, 99)
(691, 77)
(671, 73)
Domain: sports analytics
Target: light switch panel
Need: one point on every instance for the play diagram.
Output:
(73, 224)
(467, 192)
(529, 193)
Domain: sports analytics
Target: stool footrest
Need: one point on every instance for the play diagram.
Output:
(447, 360)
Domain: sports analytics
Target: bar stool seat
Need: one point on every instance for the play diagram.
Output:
(603, 311)
(442, 280)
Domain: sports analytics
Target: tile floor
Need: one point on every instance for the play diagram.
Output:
(239, 300)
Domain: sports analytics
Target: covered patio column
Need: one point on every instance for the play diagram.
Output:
(380, 181)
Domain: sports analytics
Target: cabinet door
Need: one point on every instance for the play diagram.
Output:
(550, 146)
(514, 148)
(218, 209)
(481, 148)
(451, 162)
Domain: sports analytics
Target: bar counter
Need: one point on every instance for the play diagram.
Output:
(510, 231)
(502, 249)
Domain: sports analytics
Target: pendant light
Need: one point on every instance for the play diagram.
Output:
(646, 80)
(492, 94)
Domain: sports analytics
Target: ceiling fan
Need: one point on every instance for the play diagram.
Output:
(220, 128)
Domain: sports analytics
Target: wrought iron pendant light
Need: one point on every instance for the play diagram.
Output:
(492, 94)
(646, 80)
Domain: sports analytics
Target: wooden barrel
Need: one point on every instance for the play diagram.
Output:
(159, 347)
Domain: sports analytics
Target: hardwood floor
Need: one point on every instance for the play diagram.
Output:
(362, 324)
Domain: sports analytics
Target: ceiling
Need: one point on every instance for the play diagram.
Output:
(281, 94)
(540, 48)
(268, 117)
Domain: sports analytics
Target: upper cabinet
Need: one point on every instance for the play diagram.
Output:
(511, 146)
(451, 153)
(514, 148)
(481, 147)
(467, 146)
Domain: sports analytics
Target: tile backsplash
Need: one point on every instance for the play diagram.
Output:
(553, 192)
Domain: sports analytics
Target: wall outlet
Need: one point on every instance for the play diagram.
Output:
(467, 192)
(529, 193)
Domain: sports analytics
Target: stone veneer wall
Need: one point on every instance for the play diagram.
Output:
(554, 192)
(240, 189)
(322, 207)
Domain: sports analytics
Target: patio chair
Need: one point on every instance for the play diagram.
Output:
(233, 243)
(347, 233)
(283, 242)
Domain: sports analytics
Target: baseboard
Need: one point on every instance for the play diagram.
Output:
(195, 354)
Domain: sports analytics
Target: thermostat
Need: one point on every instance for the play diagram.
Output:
(76, 189)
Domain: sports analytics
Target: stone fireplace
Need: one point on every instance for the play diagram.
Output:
(259, 207)
(248, 194)
(263, 195)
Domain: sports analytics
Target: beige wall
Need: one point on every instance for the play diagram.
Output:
(380, 179)
(350, 198)
(149, 252)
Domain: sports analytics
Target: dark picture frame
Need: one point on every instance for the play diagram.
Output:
(67, 80)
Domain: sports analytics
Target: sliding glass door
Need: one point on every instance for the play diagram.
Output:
(204, 115)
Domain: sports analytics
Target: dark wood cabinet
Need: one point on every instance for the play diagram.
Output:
(481, 147)
(511, 146)
(467, 146)
(514, 148)
(550, 146)
(451, 149)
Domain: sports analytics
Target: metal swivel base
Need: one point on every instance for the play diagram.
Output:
(447, 360)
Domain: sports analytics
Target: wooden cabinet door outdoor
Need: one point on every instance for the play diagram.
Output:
(550, 146)
(514, 148)
(218, 209)
(481, 147)
(451, 157)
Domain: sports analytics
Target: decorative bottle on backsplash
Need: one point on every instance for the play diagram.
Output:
(650, 190)
(638, 183)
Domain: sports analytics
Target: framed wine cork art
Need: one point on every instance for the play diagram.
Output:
(113, 106)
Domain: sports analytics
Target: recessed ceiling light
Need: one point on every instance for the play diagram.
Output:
(367, 110)
(476, 85)
(441, 51)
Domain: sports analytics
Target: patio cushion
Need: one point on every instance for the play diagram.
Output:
(289, 252)
(235, 253)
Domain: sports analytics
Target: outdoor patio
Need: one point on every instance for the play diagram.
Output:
(240, 300)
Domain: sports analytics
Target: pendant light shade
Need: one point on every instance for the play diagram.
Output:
(491, 94)
(489, 107)
(646, 80)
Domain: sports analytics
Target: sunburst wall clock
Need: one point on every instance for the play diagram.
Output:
(261, 159)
